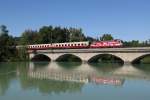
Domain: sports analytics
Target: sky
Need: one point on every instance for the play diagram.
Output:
(124, 19)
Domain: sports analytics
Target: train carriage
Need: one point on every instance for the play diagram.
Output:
(77, 45)
(70, 45)
(67, 45)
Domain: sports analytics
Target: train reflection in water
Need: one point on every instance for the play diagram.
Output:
(60, 76)
(106, 80)
(57, 73)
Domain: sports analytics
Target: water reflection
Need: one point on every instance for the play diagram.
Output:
(66, 77)
(105, 68)
(69, 65)
(84, 73)
(6, 75)
(106, 80)
(144, 67)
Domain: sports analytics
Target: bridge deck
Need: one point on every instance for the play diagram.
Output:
(135, 49)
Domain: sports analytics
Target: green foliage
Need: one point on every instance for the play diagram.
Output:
(49, 34)
(3, 30)
(8, 52)
(132, 43)
(145, 60)
(136, 43)
(29, 37)
(22, 54)
(106, 37)
(68, 58)
(90, 39)
(45, 34)
(76, 35)
(6, 45)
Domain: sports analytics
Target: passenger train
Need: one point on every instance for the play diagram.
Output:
(77, 45)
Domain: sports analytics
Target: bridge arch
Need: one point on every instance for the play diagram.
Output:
(40, 57)
(107, 57)
(68, 57)
(139, 59)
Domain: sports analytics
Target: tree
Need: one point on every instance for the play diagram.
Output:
(149, 41)
(90, 39)
(76, 35)
(3, 30)
(133, 43)
(46, 34)
(29, 37)
(106, 37)
(59, 35)
(6, 45)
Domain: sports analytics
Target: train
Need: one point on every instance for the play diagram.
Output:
(106, 80)
(77, 45)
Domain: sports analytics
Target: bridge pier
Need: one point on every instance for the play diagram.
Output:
(127, 63)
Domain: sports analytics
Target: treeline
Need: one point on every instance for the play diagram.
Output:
(136, 43)
(50, 34)
(47, 34)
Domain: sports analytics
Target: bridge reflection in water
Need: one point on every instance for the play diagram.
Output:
(85, 73)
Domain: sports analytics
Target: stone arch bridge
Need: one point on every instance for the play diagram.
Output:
(127, 55)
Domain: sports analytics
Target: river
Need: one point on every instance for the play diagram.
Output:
(73, 81)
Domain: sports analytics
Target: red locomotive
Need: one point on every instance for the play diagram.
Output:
(106, 44)
(77, 45)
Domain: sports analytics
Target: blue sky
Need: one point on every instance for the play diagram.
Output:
(124, 19)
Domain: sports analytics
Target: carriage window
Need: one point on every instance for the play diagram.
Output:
(74, 44)
(78, 44)
(71, 44)
(65, 44)
(68, 44)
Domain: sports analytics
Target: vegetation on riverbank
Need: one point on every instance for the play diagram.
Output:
(143, 60)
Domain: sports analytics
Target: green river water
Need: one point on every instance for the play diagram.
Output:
(73, 81)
